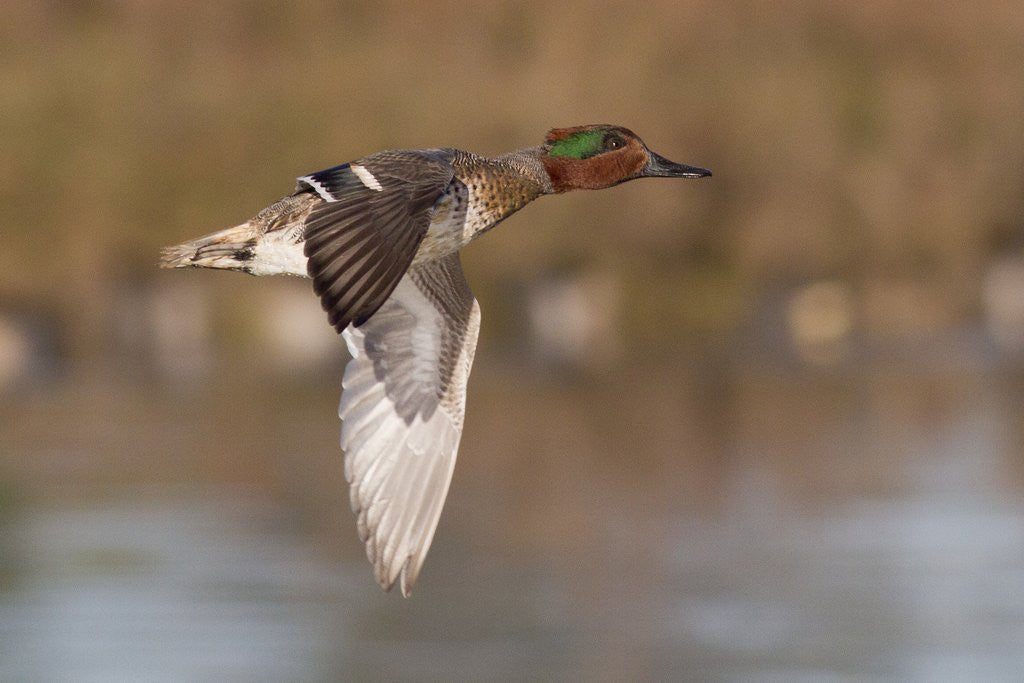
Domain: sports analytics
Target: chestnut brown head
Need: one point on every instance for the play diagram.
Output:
(598, 156)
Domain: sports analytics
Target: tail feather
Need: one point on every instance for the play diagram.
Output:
(231, 249)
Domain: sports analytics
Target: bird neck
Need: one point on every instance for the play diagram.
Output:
(528, 165)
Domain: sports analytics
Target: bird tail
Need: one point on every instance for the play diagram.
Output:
(231, 249)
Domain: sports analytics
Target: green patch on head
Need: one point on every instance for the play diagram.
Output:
(581, 145)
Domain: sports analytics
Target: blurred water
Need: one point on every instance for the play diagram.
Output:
(182, 590)
(781, 528)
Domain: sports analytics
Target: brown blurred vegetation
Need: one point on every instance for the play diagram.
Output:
(868, 176)
(875, 143)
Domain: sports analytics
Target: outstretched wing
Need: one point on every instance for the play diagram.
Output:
(402, 405)
(361, 239)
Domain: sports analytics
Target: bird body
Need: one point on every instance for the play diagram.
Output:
(379, 237)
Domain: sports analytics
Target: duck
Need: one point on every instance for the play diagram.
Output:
(380, 238)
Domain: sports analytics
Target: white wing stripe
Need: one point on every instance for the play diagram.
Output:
(367, 178)
(318, 188)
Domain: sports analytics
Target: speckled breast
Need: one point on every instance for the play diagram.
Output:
(472, 205)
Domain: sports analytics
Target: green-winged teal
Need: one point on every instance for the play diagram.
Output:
(380, 238)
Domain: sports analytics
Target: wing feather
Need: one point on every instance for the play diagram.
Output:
(362, 237)
(402, 409)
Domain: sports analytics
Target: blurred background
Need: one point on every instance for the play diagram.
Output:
(763, 425)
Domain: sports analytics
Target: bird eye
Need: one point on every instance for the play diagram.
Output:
(614, 142)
